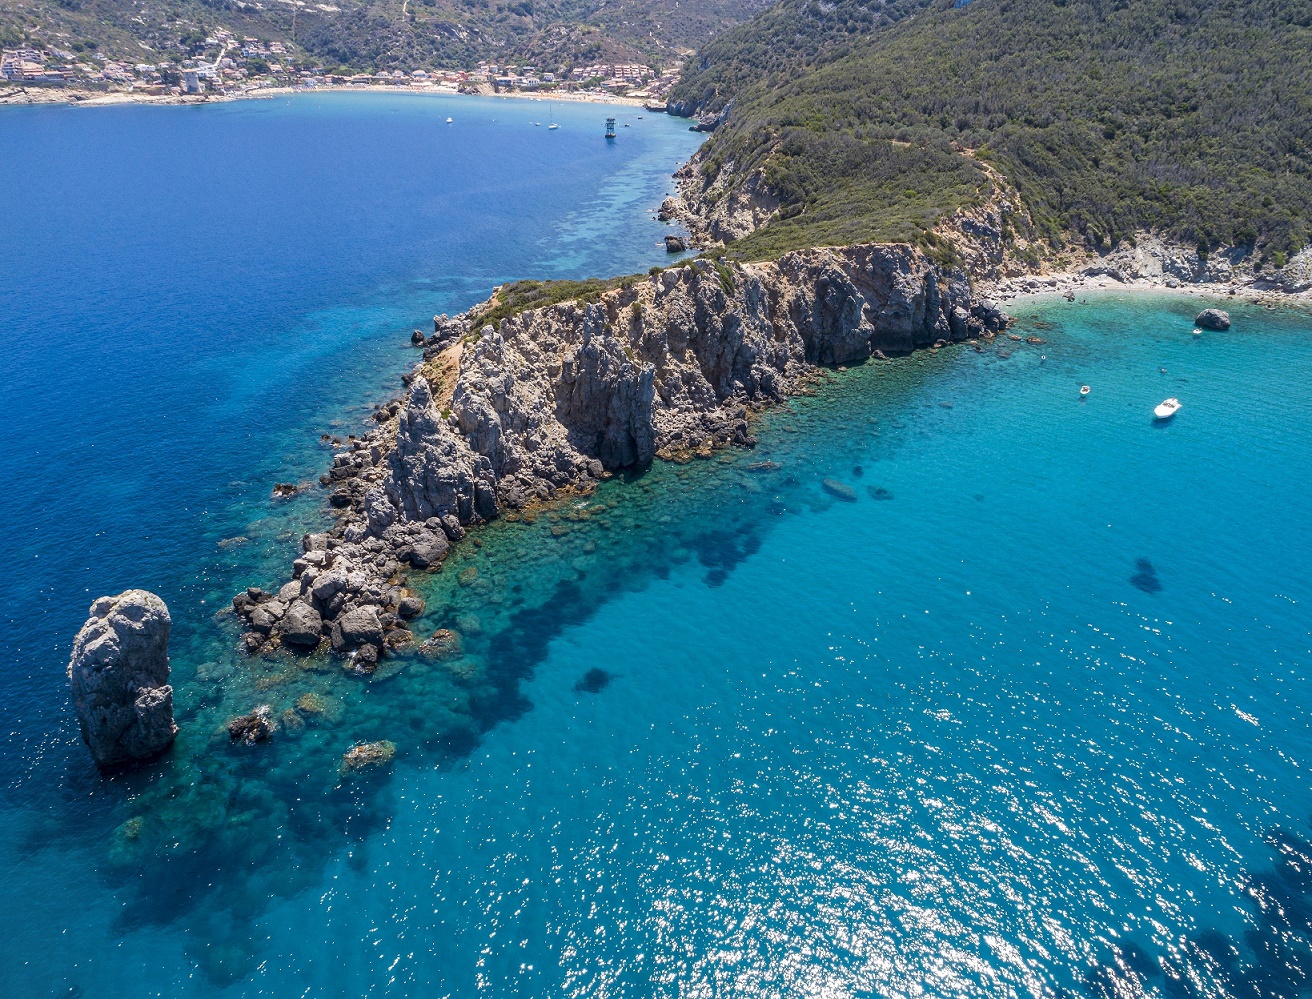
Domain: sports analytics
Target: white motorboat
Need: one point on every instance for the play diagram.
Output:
(1167, 409)
(450, 120)
(1084, 390)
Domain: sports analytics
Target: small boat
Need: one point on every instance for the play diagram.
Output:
(1198, 331)
(1084, 390)
(536, 124)
(450, 120)
(1167, 409)
(552, 125)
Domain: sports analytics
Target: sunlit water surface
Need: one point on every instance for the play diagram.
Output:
(1028, 716)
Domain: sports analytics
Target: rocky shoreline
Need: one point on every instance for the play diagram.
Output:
(551, 401)
(1152, 264)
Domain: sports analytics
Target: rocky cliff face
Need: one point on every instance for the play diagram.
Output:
(715, 208)
(559, 397)
(119, 674)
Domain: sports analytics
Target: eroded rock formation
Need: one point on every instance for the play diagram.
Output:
(119, 674)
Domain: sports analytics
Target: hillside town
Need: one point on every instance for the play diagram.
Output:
(234, 65)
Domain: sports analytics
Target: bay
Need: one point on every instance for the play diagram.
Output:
(1028, 716)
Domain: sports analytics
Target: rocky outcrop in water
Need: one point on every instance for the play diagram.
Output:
(1213, 319)
(558, 398)
(119, 674)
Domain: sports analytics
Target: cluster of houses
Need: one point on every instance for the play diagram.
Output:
(620, 73)
(28, 65)
(232, 68)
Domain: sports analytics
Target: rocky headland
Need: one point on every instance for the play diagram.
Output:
(553, 400)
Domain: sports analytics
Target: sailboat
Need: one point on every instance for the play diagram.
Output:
(553, 118)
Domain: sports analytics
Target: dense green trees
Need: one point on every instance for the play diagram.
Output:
(1109, 116)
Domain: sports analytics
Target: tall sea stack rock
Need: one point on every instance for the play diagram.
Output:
(119, 673)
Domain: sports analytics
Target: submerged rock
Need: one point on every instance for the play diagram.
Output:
(1146, 577)
(314, 705)
(119, 673)
(1213, 319)
(444, 644)
(594, 681)
(368, 754)
(840, 489)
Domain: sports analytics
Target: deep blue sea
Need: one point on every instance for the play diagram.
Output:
(1029, 717)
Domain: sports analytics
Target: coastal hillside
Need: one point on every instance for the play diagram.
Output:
(552, 35)
(787, 39)
(1191, 118)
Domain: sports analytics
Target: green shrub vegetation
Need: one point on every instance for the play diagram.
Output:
(512, 299)
(781, 42)
(1192, 117)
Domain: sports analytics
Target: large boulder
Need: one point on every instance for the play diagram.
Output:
(1213, 319)
(301, 625)
(119, 674)
(357, 627)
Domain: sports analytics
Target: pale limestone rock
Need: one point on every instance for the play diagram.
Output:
(119, 673)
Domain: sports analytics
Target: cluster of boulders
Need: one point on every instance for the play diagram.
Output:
(345, 595)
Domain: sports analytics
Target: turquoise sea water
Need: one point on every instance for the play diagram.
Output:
(1027, 717)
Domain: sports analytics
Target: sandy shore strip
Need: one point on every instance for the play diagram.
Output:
(1075, 284)
(1092, 277)
(100, 98)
